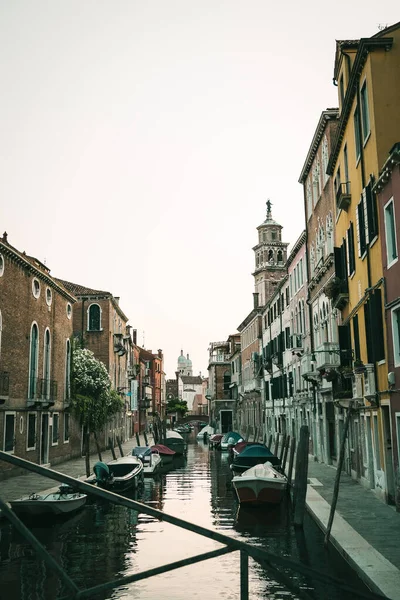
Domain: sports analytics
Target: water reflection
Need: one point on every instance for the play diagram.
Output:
(105, 541)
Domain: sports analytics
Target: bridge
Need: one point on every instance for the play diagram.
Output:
(203, 418)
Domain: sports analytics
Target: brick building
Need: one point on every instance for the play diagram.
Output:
(36, 316)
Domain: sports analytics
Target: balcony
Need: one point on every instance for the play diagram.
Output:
(327, 356)
(343, 195)
(219, 358)
(4, 384)
(144, 403)
(337, 290)
(42, 392)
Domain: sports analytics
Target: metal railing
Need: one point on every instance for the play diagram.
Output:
(265, 558)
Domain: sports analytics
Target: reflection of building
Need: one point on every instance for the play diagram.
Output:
(35, 359)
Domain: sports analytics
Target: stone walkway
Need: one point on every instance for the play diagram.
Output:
(365, 530)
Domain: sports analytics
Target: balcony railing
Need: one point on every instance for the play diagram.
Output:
(343, 195)
(327, 355)
(219, 358)
(43, 390)
(4, 383)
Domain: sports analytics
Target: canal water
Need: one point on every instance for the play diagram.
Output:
(105, 542)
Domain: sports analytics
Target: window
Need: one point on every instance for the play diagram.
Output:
(67, 393)
(287, 296)
(36, 287)
(9, 432)
(357, 133)
(66, 427)
(69, 310)
(55, 429)
(361, 238)
(346, 167)
(325, 159)
(301, 272)
(94, 317)
(373, 318)
(390, 231)
(31, 442)
(1, 265)
(49, 296)
(46, 364)
(376, 444)
(396, 335)
(350, 250)
(309, 199)
(364, 112)
(33, 361)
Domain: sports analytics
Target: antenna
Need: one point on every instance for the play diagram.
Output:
(143, 339)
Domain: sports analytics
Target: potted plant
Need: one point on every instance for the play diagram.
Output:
(359, 366)
(347, 372)
(333, 287)
(330, 374)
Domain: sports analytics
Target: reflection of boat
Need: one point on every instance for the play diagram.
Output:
(215, 440)
(167, 455)
(260, 484)
(251, 455)
(230, 439)
(117, 475)
(151, 460)
(175, 441)
(56, 503)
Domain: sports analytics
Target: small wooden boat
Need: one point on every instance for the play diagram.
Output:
(260, 484)
(53, 504)
(208, 430)
(167, 455)
(118, 475)
(175, 441)
(231, 438)
(151, 460)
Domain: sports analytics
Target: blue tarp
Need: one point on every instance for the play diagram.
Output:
(232, 434)
(256, 451)
(141, 451)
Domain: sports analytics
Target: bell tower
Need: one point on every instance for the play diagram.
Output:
(270, 256)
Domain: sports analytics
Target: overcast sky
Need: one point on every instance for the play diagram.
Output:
(139, 142)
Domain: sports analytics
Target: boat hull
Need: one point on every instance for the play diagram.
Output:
(52, 505)
(151, 469)
(258, 492)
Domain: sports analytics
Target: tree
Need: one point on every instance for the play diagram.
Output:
(94, 401)
(174, 405)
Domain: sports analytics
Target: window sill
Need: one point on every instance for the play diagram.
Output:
(389, 265)
(381, 362)
(66, 442)
(366, 139)
(358, 158)
(374, 239)
(30, 449)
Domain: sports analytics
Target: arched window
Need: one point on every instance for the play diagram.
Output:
(325, 159)
(279, 257)
(270, 255)
(312, 259)
(33, 360)
(296, 319)
(309, 199)
(94, 320)
(68, 370)
(46, 364)
(329, 233)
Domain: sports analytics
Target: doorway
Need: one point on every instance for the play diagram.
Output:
(44, 441)
(387, 444)
(226, 420)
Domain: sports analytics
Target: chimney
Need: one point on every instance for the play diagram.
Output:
(5, 236)
(134, 335)
(159, 353)
(255, 299)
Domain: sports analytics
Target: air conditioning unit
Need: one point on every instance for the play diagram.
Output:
(369, 383)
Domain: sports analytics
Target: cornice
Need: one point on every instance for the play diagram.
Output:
(329, 114)
(386, 172)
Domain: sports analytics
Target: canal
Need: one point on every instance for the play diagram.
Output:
(105, 541)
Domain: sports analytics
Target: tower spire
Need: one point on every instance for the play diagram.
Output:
(269, 214)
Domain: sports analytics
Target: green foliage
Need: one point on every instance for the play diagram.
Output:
(175, 405)
(94, 402)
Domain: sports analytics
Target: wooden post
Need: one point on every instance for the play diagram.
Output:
(164, 431)
(291, 459)
(87, 452)
(255, 434)
(146, 441)
(112, 448)
(98, 446)
(282, 447)
(338, 474)
(269, 441)
(285, 453)
(137, 439)
(300, 484)
(276, 445)
(119, 446)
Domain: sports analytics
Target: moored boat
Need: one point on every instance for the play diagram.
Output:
(215, 440)
(175, 441)
(167, 455)
(118, 475)
(261, 484)
(52, 504)
(230, 439)
(251, 455)
(208, 430)
(151, 460)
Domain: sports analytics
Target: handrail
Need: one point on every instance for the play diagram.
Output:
(262, 556)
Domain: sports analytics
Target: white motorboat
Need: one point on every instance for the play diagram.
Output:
(175, 441)
(118, 475)
(56, 503)
(150, 458)
(260, 484)
(207, 429)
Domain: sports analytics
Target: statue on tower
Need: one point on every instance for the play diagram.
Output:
(269, 204)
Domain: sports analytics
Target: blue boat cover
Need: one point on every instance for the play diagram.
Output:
(141, 451)
(255, 451)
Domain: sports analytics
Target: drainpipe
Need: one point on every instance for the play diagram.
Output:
(83, 321)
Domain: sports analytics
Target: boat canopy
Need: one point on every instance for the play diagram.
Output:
(173, 435)
(256, 451)
(232, 435)
(141, 451)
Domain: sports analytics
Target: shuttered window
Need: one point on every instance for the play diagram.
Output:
(361, 227)
(356, 337)
(372, 214)
(344, 345)
(350, 247)
(374, 327)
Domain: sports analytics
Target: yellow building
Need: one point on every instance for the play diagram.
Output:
(367, 73)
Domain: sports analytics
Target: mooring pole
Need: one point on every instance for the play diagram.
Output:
(112, 448)
(300, 484)
(244, 575)
(338, 474)
(119, 446)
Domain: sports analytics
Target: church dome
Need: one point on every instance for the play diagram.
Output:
(181, 359)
